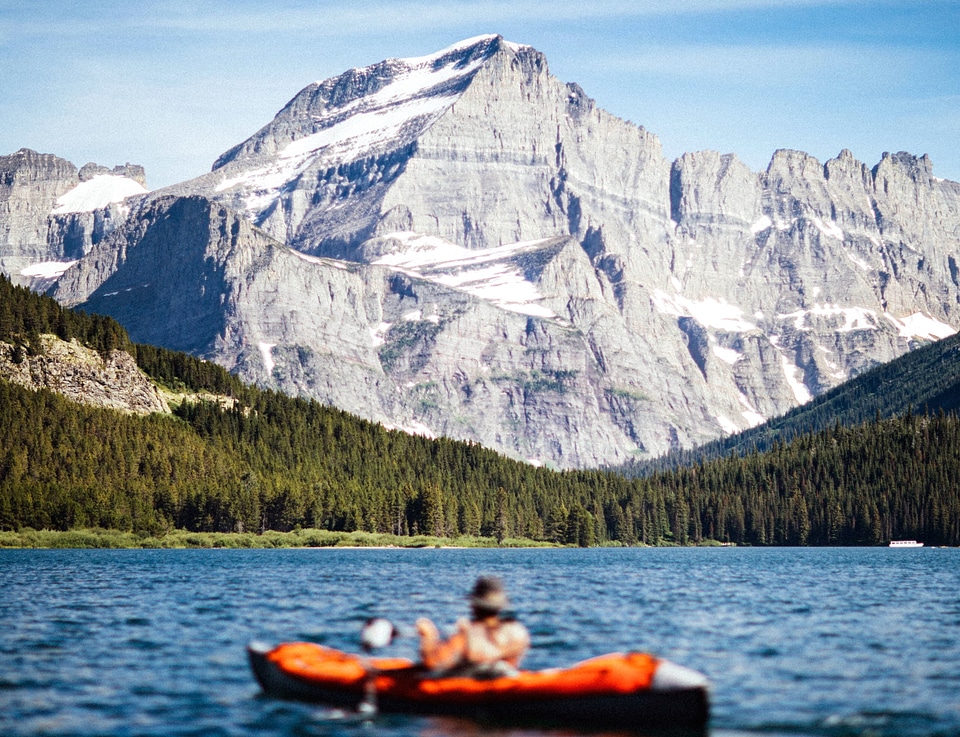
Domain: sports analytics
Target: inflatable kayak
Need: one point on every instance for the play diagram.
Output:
(622, 690)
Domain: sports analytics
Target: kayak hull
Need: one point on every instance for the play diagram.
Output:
(598, 693)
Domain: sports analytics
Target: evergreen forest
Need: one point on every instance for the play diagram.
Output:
(267, 462)
(926, 379)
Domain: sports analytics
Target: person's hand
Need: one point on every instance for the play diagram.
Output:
(427, 629)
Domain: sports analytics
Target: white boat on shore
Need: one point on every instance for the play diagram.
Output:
(905, 544)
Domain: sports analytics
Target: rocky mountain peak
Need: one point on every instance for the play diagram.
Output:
(30, 185)
(349, 137)
(403, 93)
(463, 245)
(705, 186)
(26, 166)
(794, 165)
(904, 165)
(846, 168)
(51, 214)
(134, 172)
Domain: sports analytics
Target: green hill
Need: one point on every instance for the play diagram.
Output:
(925, 380)
(265, 461)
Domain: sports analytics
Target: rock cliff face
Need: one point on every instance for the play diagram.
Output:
(51, 214)
(30, 184)
(84, 376)
(463, 245)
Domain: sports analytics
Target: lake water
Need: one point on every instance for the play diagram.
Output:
(796, 641)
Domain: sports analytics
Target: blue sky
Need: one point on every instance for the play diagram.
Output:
(172, 84)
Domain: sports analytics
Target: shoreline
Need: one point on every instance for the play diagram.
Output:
(311, 539)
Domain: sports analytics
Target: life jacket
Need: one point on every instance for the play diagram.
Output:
(487, 644)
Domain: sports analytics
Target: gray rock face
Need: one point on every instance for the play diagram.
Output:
(51, 214)
(463, 245)
(131, 171)
(30, 184)
(84, 376)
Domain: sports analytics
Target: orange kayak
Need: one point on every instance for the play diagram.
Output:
(623, 690)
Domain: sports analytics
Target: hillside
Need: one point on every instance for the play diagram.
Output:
(264, 461)
(926, 381)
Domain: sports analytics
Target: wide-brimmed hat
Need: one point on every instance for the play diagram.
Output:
(488, 593)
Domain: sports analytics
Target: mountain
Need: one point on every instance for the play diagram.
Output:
(51, 213)
(463, 245)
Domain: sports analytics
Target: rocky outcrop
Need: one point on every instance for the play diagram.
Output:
(130, 171)
(82, 375)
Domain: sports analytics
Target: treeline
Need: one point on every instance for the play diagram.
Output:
(265, 461)
(183, 371)
(862, 485)
(25, 315)
(926, 380)
(282, 464)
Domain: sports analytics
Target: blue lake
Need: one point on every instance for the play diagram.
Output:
(795, 641)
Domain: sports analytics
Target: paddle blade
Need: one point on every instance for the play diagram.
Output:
(377, 632)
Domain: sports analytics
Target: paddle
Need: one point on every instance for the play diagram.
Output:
(376, 633)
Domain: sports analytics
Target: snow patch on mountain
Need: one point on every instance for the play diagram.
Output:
(378, 334)
(266, 351)
(414, 427)
(319, 260)
(729, 426)
(47, 269)
(831, 230)
(709, 312)
(727, 355)
(919, 325)
(750, 414)
(490, 275)
(794, 375)
(855, 318)
(417, 95)
(859, 262)
(98, 192)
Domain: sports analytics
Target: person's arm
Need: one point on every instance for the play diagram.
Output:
(435, 653)
(516, 645)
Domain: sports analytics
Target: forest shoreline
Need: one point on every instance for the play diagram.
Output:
(98, 538)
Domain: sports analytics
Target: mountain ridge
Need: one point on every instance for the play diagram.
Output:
(675, 300)
(922, 382)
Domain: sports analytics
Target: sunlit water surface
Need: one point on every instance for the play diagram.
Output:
(796, 642)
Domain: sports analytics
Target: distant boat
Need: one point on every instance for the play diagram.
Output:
(905, 544)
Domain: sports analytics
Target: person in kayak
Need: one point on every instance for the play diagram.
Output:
(485, 645)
